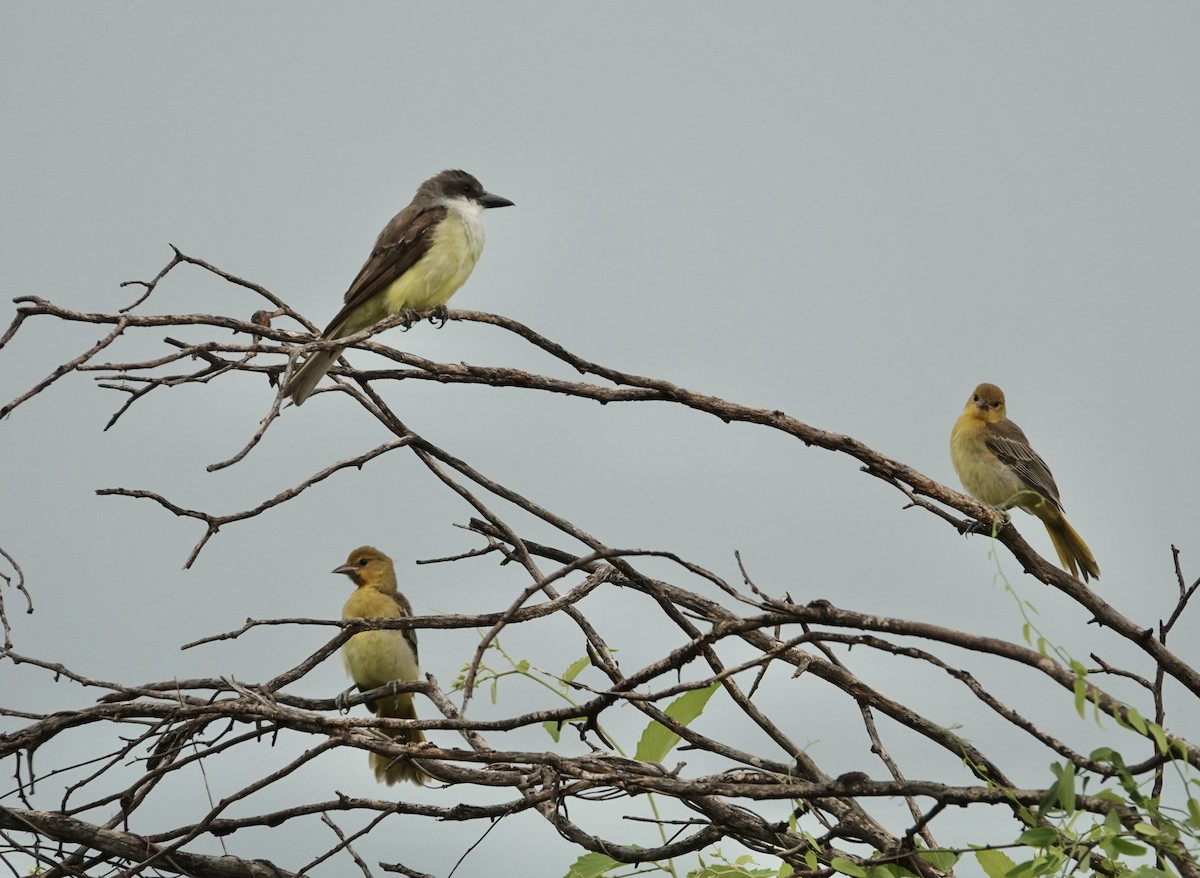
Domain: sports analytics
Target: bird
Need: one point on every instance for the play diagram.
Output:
(376, 658)
(997, 466)
(420, 259)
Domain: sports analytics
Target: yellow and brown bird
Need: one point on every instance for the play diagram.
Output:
(998, 467)
(376, 658)
(419, 261)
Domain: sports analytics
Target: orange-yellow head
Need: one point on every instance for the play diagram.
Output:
(987, 404)
(369, 567)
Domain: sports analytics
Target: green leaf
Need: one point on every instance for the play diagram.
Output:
(1124, 846)
(1038, 837)
(730, 870)
(841, 864)
(942, 860)
(1160, 738)
(523, 666)
(996, 864)
(1112, 823)
(1065, 788)
(1022, 869)
(657, 740)
(591, 866)
(574, 668)
(1135, 720)
(1080, 687)
(1193, 813)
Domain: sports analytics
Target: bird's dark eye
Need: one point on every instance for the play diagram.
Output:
(995, 405)
(362, 562)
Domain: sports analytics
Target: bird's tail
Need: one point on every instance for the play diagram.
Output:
(393, 770)
(305, 379)
(1073, 552)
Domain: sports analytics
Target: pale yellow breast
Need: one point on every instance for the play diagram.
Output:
(457, 243)
(374, 658)
(984, 476)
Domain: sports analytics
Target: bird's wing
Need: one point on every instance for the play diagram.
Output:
(399, 247)
(1007, 441)
(405, 611)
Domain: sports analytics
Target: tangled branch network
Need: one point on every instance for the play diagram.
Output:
(747, 781)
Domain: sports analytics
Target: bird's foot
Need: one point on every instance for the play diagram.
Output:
(410, 317)
(969, 526)
(342, 701)
(974, 526)
(440, 316)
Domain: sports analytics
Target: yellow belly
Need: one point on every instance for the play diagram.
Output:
(376, 658)
(457, 243)
(984, 476)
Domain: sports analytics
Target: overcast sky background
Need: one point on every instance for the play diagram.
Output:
(854, 213)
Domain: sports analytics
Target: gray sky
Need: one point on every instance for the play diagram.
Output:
(854, 213)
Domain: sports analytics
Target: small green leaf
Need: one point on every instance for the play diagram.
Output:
(1038, 837)
(591, 866)
(941, 860)
(1124, 846)
(1112, 823)
(657, 740)
(1193, 813)
(1021, 869)
(996, 864)
(523, 666)
(1065, 788)
(1135, 720)
(574, 668)
(1160, 738)
(1080, 687)
(841, 864)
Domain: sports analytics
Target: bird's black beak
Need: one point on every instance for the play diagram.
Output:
(345, 568)
(487, 199)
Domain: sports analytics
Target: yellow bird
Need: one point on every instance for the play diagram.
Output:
(376, 658)
(419, 261)
(998, 467)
